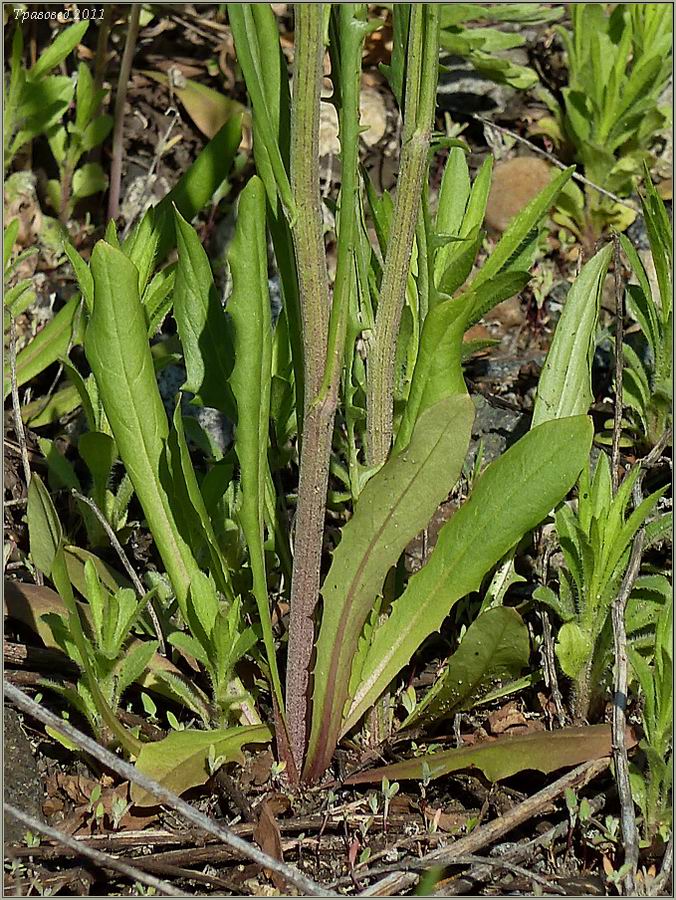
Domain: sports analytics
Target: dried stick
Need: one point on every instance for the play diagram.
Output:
(16, 404)
(18, 421)
(135, 580)
(120, 99)
(104, 860)
(619, 366)
(493, 831)
(522, 853)
(667, 865)
(164, 796)
(627, 817)
(556, 162)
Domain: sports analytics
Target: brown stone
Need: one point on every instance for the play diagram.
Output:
(515, 183)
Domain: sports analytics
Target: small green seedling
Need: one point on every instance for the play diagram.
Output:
(596, 540)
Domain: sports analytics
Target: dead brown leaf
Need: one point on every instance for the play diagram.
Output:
(269, 839)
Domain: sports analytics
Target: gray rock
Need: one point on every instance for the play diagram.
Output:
(23, 788)
(498, 429)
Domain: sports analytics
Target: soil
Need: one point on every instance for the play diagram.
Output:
(345, 837)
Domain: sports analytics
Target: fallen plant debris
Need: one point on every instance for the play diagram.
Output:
(338, 500)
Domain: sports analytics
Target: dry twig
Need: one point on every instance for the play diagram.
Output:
(492, 831)
(164, 796)
(104, 860)
(627, 817)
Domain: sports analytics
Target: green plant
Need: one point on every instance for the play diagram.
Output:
(619, 61)
(652, 785)
(596, 540)
(34, 101)
(382, 440)
(646, 383)
(69, 142)
(481, 45)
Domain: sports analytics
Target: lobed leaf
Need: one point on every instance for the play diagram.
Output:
(396, 504)
(543, 751)
(513, 495)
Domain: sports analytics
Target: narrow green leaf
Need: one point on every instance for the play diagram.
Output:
(513, 495)
(396, 504)
(202, 323)
(202, 532)
(564, 388)
(520, 228)
(50, 344)
(64, 43)
(251, 378)
(438, 368)
(44, 528)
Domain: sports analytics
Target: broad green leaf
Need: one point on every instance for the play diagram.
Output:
(44, 529)
(96, 132)
(118, 353)
(519, 230)
(543, 751)
(396, 504)
(495, 649)
(251, 378)
(53, 342)
(180, 761)
(87, 98)
(565, 383)
(64, 43)
(202, 323)
(513, 495)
